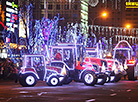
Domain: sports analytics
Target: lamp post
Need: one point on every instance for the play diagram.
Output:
(103, 15)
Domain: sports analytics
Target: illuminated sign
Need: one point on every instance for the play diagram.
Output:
(131, 4)
(11, 15)
(2, 15)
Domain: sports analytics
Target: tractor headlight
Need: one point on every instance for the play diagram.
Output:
(116, 71)
(103, 68)
(63, 71)
(125, 66)
(114, 67)
(121, 68)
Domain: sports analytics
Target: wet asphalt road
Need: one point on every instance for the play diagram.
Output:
(122, 91)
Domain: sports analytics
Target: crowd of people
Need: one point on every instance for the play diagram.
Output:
(8, 69)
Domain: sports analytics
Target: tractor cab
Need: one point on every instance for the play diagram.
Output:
(123, 49)
(68, 53)
(34, 64)
(123, 52)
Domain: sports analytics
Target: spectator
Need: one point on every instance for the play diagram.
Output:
(122, 58)
(1, 72)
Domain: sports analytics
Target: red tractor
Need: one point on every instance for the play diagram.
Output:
(73, 55)
(111, 67)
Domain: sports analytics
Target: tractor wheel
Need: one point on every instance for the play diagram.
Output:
(28, 80)
(89, 78)
(118, 77)
(102, 79)
(67, 80)
(108, 79)
(115, 78)
(112, 78)
(53, 81)
(132, 73)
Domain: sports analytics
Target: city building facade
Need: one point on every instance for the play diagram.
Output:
(73, 11)
(118, 15)
(121, 23)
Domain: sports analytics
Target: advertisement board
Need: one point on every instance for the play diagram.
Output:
(9, 18)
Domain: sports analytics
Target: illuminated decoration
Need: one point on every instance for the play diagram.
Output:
(11, 16)
(2, 24)
(30, 28)
(93, 3)
(47, 33)
(115, 4)
(39, 39)
(119, 33)
(84, 13)
(2, 15)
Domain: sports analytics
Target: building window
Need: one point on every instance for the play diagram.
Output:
(118, 12)
(135, 14)
(50, 16)
(66, 16)
(74, 7)
(75, 16)
(66, 7)
(135, 10)
(135, 18)
(128, 18)
(128, 10)
(42, 6)
(42, 15)
(58, 7)
(50, 7)
(128, 14)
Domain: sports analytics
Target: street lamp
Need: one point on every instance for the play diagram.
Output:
(104, 14)
(128, 26)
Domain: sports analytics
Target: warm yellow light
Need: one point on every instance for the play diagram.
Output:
(128, 26)
(104, 14)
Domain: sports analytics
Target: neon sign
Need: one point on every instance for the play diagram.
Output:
(11, 15)
(2, 16)
(131, 4)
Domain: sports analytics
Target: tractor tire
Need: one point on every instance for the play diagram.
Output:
(53, 81)
(118, 77)
(112, 78)
(108, 79)
(89, 78)
(67, 80)
(131, 73)
(101, 79)
(28, 80)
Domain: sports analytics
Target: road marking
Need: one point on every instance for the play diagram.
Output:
(91, 100)
(114, 94)
(129, 90)
(23, 92)
(8, 99)
(39, 94)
